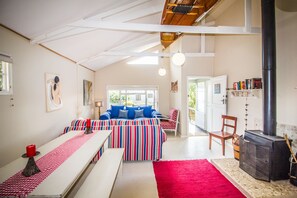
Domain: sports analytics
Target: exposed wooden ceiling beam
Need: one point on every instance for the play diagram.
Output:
(189, 13)
(194, 6)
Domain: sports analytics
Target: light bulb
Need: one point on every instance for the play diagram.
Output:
(162, 71)
(178, 58)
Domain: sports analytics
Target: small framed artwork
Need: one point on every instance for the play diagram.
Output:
(217, 88)
(174, 86)
(87, 92)
(53, 92)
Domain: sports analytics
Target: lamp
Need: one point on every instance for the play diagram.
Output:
(99, 104)
(178, 58)
(162, 71)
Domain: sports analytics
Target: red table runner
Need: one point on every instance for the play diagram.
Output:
(20, 186)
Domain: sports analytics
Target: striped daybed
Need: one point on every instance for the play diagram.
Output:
(142, 139)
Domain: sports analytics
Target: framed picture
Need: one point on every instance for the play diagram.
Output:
(217, 88)
(174, 86)
(53, 92)
(87, 92)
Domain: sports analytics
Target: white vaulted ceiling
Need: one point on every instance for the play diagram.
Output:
(97, 33)
(50, 21)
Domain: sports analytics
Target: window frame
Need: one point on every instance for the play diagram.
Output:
(125, 91)
(6, 72)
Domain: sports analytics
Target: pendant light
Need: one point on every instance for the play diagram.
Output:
(162, 71)
(178, 59)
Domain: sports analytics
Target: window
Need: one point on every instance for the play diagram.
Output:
(5, 75)
(132, 96)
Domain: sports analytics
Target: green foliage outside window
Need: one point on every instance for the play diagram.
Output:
(192, 95)
(114, 97)
(132, 97)
(192, 101)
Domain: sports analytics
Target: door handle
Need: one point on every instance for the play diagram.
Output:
(224, 101)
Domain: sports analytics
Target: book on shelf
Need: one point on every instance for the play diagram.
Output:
(253, 83)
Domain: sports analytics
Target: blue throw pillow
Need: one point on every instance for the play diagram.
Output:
(115, 110)
(105, 116)
(123, 114)
(131, 112)
(139, 113)
(147, 111)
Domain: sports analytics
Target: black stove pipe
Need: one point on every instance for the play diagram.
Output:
(269, 67)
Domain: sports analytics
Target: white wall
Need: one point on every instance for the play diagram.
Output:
(286, 42)
(27, 122)
(122, 73)
(239, 57)
(194, 66)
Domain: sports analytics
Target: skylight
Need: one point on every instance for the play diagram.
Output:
(146, 60)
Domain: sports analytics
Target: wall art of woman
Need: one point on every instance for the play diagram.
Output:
(54, 99)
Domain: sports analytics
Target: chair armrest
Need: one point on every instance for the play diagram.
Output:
(156, 114)
(169, 120)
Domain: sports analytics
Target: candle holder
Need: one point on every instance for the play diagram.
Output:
(88, 130)
(31, 168)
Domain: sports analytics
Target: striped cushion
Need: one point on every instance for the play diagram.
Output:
(94, 123)
(142, 139)
(78, 123)
(151, 121)
(98, 154)
(82, 128)
(140, 142)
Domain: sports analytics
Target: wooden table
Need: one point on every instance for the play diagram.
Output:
(58, 183)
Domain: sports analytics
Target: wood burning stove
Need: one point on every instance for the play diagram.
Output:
(264, 155)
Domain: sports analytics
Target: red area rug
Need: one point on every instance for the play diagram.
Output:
(192, 178)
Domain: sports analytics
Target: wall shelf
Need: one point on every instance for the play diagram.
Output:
(255, 93)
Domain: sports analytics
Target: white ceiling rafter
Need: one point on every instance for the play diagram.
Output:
(247, 15)
(86, 26)
(116, 10)
(146, 39)
(116, 22)
(139, 54)
(140, 11)
(138, 27)
(113, 13)
(120, 14)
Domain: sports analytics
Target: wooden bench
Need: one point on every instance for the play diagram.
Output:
(100, 181)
